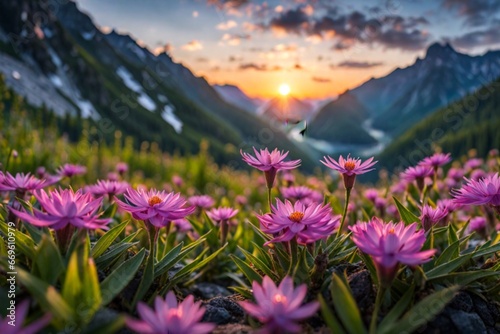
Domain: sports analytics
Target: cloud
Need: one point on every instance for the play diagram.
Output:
(485, 37)
(234, 39)
(259, 67)
(194, 45)
(226, 25)
(475, 12)
(321, 80)
(228, 3)
(290, 21)
(357, 64)
(390, 31)
(285, 48)
(195, 14)
(166, 48)
(202, 60)
(298, 67)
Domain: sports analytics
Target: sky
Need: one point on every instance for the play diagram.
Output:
(320, 48)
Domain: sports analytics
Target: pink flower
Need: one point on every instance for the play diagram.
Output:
(306, 223)
(21, 313)
(477, 224)
(22, 183)
(177, 181)
(456, 174)
(349, 168)
(418, 174)
(202, 201)
(301, 193)
(269, 163)
(109, 188)
(70, 170)
(159, 208)
(121, 168)
(182, 225)
(371, 194)
(279, 308)
(431, 216)
(483, 192)
(222, 214)
(168, 317)
(64, 207)
(436, 160)
(390, 245)
(473, 164)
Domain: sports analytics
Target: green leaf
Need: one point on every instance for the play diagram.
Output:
(72, 284)
(483, 251)
(176, 254)
(405, 214)
(448, 267)
(48, 263)
(195, 265)
(330, 319)
(91, 292)
(248, 271)
(463, 278)
(48, 297)
(397, 310)
(107, 239)
(24, 242)
(422, 312)
(450, 253)
(346, 307)
(113, 254)
(258, 263)
(120, 277)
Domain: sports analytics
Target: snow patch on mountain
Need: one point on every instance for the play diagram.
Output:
(169, 116)
(133, 85)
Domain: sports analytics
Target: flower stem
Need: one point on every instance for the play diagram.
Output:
(378, 302)
(293, 256)
(347, 196)
(269, 200)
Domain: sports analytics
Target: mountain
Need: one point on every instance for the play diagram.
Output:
(236, 97)
(340, 121)
(471, 122)
(287, 109)
(65, 63)
(397, 101)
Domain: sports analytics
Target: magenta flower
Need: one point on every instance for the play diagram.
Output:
(182, 225)
(269, 162)
(349, 168)
(418, 174)
(436, 160)
(431, 216)
(64, 207)
(473, 164)
(202, 201)
(301, 193)
(70, 170)
(390, 245)
(279, 308)
(109, 188)
(478, 225)
(456, 174)
(222, 214)
(159, 208)
(371, 194)
(177, 181)
(483, 192)
(306, 223)
(168, 317)
(121, 168)
(20, 316)
(22, 183)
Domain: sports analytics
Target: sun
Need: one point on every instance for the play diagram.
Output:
(284, 89)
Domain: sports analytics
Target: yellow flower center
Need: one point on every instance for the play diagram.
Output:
(350, 165)
(279, 299)
(154, 200)
(391, 231)
(296, 216)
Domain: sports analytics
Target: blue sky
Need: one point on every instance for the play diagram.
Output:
(320, 48)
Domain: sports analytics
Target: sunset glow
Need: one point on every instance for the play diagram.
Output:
(284, 89)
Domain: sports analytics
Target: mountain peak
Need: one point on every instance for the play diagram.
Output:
(438, 49)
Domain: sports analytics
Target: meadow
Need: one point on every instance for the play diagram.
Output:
(115, 237)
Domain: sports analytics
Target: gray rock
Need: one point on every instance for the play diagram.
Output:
(223, 311)
(462, 302)
(467, 322)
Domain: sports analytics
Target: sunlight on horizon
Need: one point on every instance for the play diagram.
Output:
(284, 89)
